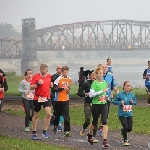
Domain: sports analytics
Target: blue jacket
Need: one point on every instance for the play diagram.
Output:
(127, 98)
(111, 82)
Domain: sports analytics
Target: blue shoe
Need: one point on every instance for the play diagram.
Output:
(34, 136)
(46, 135)
(55, 129)
(100, 131)
(59, 128)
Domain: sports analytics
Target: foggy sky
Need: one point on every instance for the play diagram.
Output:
(55, 12)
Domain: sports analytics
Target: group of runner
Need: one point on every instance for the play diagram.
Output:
(97, 91)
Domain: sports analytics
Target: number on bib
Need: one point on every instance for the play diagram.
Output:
(102, 98)
(42, 99)
(127, 107)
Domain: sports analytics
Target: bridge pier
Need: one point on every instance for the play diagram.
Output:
(29, 60)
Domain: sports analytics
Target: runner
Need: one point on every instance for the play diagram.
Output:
(110, 72)
(3, 87)
(41, 82)
(84, 92)
(146, 76)
(62, 89)
(27, 98)
(81, 78)
(125, 100)
(109, 66)
(54, 77)
(112, 85)
(99, 105)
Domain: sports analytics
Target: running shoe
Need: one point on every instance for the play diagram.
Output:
(82, 133)
(100, 131)
(90, 139)
(34, 136)
(59, 128)
(55, 129)
(94, 140)
(66, 134)
(126, 143)
(105, 144)
(27, 129)
(31, 124)
(45, 134)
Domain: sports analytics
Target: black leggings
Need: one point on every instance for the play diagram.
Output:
(127, 125)
(28, 105)
(98, 109)
(62, 108)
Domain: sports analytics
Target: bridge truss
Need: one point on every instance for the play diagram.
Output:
(112, 34)
(10, 48)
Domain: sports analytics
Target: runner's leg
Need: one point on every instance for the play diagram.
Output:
(26, 105)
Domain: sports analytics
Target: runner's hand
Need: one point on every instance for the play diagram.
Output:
(66, 88)
(52, 84)
(122, 102)
(131, 101)
(40, 81)
(105, 90)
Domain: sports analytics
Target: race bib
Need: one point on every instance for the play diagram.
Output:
(29, 96)
(2, 90)
(103, 98)
(42, 99)
(127, 107)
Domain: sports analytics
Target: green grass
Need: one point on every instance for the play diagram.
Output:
(8, 143)
(141, 121)
(13, 83)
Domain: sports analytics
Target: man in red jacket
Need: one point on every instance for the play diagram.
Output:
(41, 82)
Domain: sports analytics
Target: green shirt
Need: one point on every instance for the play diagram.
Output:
(98, 86)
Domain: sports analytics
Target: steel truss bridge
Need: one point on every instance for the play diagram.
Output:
(91, 35)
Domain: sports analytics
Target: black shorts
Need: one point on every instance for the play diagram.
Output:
(97, 110)
(147, 88)
(37, 105)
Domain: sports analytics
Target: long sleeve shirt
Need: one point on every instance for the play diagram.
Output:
(24, 88)
(126, 97)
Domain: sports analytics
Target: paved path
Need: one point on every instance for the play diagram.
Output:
(13, 126)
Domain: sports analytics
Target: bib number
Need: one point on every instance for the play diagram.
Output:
(102, 98)
(42, 99)
(127, 108)
(29, 96)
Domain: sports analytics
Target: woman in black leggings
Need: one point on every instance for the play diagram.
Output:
(27, 98)
(125, 100)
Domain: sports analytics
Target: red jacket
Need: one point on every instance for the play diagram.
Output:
(3, 84)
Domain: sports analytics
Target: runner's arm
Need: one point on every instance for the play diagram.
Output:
(93, 93)
(21, 89)
(117, 100)
(56, 88)
(114, 85)
(144, 74)
(5, 85)
(134, 99)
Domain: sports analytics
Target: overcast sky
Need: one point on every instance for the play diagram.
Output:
(54, 12)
